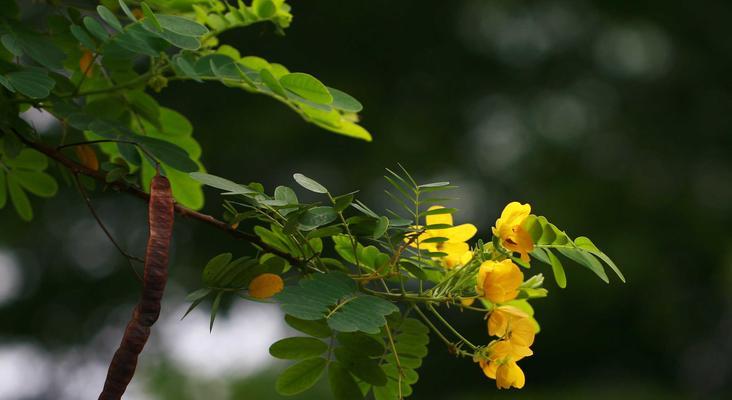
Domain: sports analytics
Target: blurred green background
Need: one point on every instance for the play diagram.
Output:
(612, 118)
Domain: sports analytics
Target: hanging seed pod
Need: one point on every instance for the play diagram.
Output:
(160, 218)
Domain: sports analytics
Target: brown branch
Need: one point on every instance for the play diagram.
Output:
(182, 210)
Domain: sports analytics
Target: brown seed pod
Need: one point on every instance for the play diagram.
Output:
(160, 217)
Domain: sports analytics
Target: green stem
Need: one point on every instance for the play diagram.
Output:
(432, 326)
(447, 324)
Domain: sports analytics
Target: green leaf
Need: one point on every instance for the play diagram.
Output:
(196, 298)
(364, 368)
(12, 44)
(32, 83)
(360, 344)
(83, 37)
(342, 202)
(344, 102)
(381, 227)
(219, 183)
(220, 273)
(333, 296)
(275, 239)
(6, 83)
(137, 39)
(307, 86)
(151, 20)
(272, 83)
(437, 211)
(20, 199)
(557, 269)
(96, 29)
(585, 243)
(28, 159)
(285, 194)
(169, 153)
(187, 69)
(311, 299)
(318, 328)
(37, 47)
(198, 294)
(362, 313)
(585, 259)
(309, 183)
(109, 17)
(264, 8)
(406, 347)
(342, 384)
(434, 185)
(300, 377)
(532, 225)
(181, 26)
(126, 10)
(38, 183)
(317, 216)
(214, 267)
(180, 41)
(298, 348)
(215, 309)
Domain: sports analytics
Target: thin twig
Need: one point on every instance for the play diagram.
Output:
(87, 200)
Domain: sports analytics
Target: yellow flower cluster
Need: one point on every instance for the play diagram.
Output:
(499, 282)
(455, 247)
(515, 332)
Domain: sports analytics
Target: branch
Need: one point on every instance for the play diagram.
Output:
(182, 210)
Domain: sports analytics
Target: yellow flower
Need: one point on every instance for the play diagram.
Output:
(512, 324)
(498, 281)
(511, 232)
(504, 350)
(498, 361)
(457, 250)
(509, 374)
(506, 374)
(265, 286)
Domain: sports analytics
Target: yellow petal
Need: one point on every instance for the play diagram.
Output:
(454, 252)
(501, 280)
(522, 332)
(519, 241)
(505, 350)
(460, 233)
(510, 374)
(456, 249)
(466, 257)
(265, 286)
(520, 379)
(439, 218)
(489, 369)
(502, 318)
(513, 215)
